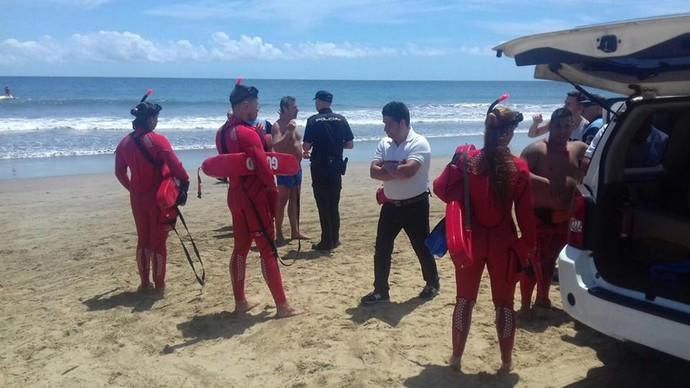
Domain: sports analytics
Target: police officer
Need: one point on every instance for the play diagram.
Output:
(325, 137)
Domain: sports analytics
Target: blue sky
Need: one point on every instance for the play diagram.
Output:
(346, 39)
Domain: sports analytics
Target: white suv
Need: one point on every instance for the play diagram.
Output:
(626, 269)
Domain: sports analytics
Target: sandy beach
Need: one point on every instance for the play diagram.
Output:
(70, 316)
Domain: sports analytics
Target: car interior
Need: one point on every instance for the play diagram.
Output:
(643, 238)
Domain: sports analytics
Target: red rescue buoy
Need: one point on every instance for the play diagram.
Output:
(239, 164)
(459, 237)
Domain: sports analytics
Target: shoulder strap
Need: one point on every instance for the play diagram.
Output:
(144, 151)
(467, 221)
(262, 136)
(467, 208)
(201, 279)
(223, 141)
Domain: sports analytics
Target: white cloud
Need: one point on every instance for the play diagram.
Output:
(45, 49)
(128, 47)
(244, 47)
(474, 50)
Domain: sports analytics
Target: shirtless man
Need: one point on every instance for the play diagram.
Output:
(285, 138)
(556, 169)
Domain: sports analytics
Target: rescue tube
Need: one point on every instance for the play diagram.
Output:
(239, 164)
(166, 199)
(458, 237)
(167, 193)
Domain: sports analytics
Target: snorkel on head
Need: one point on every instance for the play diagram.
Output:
(143, 111)
(517, 117)
(242, 92)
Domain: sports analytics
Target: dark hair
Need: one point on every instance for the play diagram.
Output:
(558, 115)
(285, 102)
(241, 93)
(496, 160)
(397, 111)
(594, 100)
(143, 111)
(579, 96)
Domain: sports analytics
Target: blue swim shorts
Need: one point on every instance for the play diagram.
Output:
(290, 181)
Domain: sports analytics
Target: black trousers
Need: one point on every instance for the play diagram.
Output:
(327, 196)
(414, 219)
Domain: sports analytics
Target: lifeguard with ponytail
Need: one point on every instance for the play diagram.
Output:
(150, 160)
(494, 181)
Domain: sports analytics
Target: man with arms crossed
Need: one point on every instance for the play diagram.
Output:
(402, 162)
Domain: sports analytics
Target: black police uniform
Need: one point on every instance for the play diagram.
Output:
(327, 132)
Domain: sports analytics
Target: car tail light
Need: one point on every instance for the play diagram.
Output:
(576, 226)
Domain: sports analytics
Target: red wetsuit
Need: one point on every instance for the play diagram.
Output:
(495, 244)
(142, 184)
(552, 235)
(251, 200)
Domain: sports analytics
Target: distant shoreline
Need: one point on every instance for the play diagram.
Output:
(11, 169)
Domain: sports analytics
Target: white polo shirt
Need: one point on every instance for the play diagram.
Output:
(415, 147)
(579, 130)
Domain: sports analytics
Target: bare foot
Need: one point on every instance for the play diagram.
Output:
(541, 310)
(244, 306)
(301, 236)
(281, 242)
(455, 363)
(525, 313)
(285, 310)
(505, 367)
(145, 287)
(545, 304)
(159, 292)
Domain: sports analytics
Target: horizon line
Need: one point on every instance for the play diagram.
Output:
(274, 79)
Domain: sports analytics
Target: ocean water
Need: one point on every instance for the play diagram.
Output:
(59, 121)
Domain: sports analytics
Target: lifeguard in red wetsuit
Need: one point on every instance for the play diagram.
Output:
(149, 158)
(497, 181)
(252, 201)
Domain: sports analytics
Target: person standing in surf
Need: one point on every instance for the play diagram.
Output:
(286, 139)
(252, 202)
(149, 157)
(497, 181)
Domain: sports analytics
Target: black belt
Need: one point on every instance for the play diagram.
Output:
(406, 202)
